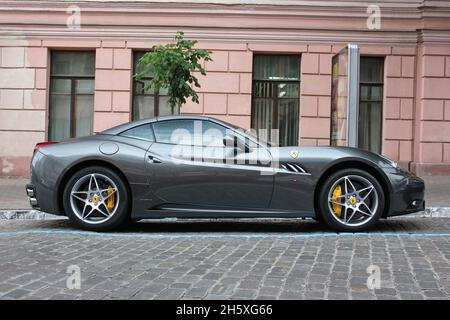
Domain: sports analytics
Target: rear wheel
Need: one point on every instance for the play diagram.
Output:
(351, 200)
(96, 198)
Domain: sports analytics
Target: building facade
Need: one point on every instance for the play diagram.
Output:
(66, 70)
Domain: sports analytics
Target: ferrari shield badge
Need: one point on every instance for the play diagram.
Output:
(294, 153)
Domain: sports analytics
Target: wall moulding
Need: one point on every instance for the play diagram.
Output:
(231, 34)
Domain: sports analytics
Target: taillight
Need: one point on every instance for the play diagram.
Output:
(43, 144)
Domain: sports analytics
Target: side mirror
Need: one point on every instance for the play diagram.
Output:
(233, 141)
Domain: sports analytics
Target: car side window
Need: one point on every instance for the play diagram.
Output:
(143, 132)
(213, 134)
(189, 132)
(174, 131)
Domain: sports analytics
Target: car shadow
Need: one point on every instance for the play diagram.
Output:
(226, 226)
(245, 226)
(288, 226)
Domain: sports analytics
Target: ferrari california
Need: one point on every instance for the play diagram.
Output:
(201, 167)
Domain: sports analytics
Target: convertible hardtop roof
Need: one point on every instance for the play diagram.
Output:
(125, 126)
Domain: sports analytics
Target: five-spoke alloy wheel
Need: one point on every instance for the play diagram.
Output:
(351, 200)
(96, 198)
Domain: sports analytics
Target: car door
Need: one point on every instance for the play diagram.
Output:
(189, 165)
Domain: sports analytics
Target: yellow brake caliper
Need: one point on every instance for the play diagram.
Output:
(111, 199)
(337, 208)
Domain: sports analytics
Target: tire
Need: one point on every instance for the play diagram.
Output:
(88, 196)
(364, 193)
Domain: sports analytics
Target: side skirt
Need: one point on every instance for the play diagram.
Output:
(190, 213)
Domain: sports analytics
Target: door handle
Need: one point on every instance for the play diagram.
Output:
(153, 159)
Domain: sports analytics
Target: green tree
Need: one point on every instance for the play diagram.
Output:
(172, 66)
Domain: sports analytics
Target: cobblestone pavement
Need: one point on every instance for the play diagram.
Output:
(225, 260)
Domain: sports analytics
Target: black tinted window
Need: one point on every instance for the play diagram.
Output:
(140, 132)
(189, 132)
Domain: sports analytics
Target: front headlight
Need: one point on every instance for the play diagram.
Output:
(390, 161)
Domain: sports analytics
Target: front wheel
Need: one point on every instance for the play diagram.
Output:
(96, 198)
(351, 200)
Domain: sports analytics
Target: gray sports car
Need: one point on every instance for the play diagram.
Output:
(200, 167)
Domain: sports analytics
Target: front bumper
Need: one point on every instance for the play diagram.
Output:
(408, 193)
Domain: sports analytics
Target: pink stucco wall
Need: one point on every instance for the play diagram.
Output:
(416, 104)
(23, 102)
(433, 108)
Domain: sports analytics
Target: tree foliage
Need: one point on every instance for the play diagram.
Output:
(172, 67)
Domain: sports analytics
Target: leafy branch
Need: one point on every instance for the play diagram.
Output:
(172, 67)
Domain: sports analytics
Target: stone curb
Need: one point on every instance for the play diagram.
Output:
(24, 214)
(432, 212)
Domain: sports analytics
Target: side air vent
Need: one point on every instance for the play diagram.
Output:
(292, 167)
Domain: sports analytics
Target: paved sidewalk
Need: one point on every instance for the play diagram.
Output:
(437, 191)
(206, 260)
(12, 192)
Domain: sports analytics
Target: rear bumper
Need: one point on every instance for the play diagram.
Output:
(41, 190)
